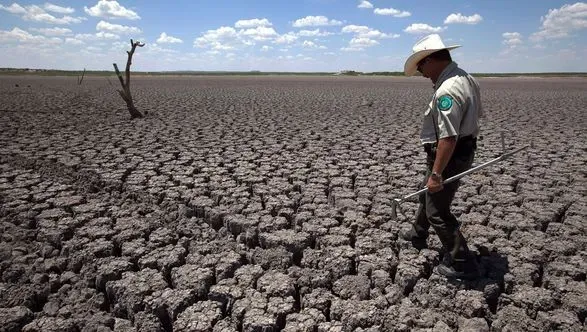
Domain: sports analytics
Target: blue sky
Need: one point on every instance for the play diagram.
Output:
(292, 35)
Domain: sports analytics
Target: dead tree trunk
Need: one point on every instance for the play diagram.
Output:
(125, 92)
(79, 81)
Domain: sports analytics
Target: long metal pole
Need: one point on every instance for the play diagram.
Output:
(469, 171)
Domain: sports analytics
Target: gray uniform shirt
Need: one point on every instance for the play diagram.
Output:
(455, 106)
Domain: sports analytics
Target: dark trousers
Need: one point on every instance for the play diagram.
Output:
(434, 209)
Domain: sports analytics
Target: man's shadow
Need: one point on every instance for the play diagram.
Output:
(493, 267)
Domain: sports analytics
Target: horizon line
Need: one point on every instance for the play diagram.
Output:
(341, 72)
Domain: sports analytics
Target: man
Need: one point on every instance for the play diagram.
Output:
(449, 136)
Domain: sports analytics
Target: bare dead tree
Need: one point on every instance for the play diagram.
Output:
(125, 92)
(79, 81)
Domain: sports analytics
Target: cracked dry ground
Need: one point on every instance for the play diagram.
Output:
(263, 204)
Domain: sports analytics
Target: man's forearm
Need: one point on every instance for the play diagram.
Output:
(444, 151)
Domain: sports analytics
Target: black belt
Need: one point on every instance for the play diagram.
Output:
(465, 144)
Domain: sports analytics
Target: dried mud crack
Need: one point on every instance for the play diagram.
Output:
(264, 204)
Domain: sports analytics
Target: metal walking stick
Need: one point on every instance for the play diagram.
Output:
(395, 203)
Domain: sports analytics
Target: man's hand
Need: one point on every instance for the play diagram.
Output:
(444, 151)
(434, 184)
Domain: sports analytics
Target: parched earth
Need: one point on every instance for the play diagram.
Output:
(264, 204)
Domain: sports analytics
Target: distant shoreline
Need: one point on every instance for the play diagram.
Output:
(51, 72)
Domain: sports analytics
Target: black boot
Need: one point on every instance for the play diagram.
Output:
(458, 262)
(467, 269)
(418, 239)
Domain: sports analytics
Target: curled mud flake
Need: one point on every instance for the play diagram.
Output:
(111, 269)
(293, 241)
(15, 318)
(559, 320)
(51, 324)
(276, 284)
(201, 316)
(248, 275)
(352, 287)
(191, 277)
(514, 318)
(145, 321)
(169, 303)
(32, 296)
(531, 300)
(306, 320)
(164, 259)
(127, 295)
(53, 214)
(271, 259)
(356, 314)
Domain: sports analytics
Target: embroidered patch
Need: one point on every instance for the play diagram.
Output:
(444, 102)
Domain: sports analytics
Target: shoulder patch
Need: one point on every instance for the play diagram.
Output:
(444, 102)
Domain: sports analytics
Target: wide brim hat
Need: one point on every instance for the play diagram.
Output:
(423, 48)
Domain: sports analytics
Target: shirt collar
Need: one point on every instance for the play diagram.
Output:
(445, 74)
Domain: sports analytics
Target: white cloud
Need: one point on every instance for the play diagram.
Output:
(218, 39)
(155, 48)
(73, 41)
(313, 33)
(421, 28)
(266, 48)
(311, 44)
(166, 39)
(93, 49)
(364, 37)
(391, 12)
(351, 49)
(512, 39)
(560, 23)
(97, 36)
(229, 38)
(259, 33)
(362, 42)
(287, 38)
(21, 36)
(309, 21)
(58, 9)
(459, 18)
(221, 47)
(107, 35)
(365, 5)
(253, 23)
(119, 46)
(14, 9)
(362, 31)
(308, 43)
(359, 44)
(53, 32)
(111, 9)
(37, 14)
(539, 46)
(355, 28)
(117, 28)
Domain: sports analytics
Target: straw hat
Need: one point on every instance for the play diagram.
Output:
(423, 48)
